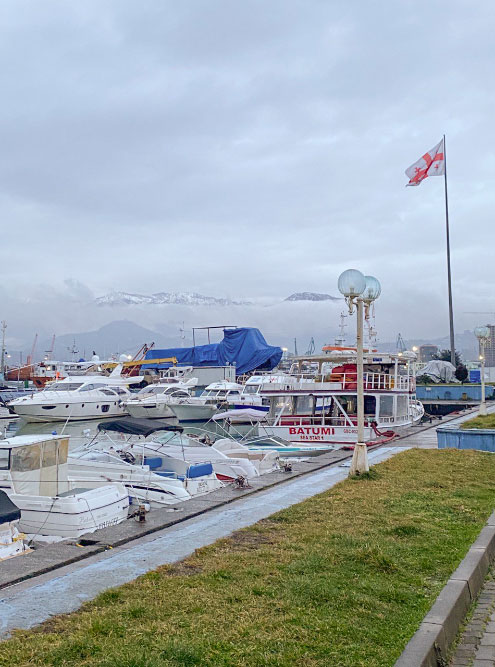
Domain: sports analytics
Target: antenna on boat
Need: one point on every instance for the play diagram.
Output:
(340, 339)
(399, 344)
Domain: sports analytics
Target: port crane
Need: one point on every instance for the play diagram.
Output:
(31, 355)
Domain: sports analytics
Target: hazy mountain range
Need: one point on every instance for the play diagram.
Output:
(124, 336)
(192, 299)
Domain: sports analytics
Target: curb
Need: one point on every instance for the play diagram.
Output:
(430, 644)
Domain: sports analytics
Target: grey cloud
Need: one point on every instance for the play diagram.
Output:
(246, 148)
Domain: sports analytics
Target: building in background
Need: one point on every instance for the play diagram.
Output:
(427, 353)
(490, 348)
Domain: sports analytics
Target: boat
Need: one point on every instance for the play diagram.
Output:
(154, 474)
(155, 400)
(228, 458)
(6, 412)
(323, 411)
(77, 398)
(11, 540)
(34, 474)
(216, 396)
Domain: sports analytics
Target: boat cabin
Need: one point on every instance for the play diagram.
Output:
(34, 465)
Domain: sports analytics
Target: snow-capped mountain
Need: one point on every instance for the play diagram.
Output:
(165, 298)
(311, 296)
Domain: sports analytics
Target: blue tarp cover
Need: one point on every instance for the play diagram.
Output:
(245, 347)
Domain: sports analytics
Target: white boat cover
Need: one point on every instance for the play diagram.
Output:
(246, 413)
(439, 371)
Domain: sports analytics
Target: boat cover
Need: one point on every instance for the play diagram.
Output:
(135, 426)
(245, 347)
(439, 371)
(247, 413)
(8, 511)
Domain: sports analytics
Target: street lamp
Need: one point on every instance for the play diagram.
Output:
(482, 334)
(359, 291)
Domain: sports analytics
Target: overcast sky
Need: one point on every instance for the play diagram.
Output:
(246, 149)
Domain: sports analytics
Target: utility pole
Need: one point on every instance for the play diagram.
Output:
(2, 360)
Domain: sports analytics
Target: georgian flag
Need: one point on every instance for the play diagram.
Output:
(431, 164)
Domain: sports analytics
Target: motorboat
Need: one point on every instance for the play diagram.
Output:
(157, 475)
(11, 540)
(96, 466)
(34, 474)
(155, 400)
(6, 412)
(216, 396)
(77, 398)
(139, 440)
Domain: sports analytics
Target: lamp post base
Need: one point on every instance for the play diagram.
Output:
(359, 463)
(482, 410)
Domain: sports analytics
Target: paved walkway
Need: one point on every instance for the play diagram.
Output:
(477, 643)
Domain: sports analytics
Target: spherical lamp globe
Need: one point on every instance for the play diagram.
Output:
(351, 283)
(482, 332)
(372, 290)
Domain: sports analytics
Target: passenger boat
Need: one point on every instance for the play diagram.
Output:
(155, 400)
(34, 474)
(323, 411)
(77, 398)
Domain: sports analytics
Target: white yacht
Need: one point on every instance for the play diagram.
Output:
(216, 396)
(155, 400)
(77, 398)
(34, 474)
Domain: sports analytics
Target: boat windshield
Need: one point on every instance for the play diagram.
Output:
(4, 459)
(152, 391)
(64, 386)
(251, 389)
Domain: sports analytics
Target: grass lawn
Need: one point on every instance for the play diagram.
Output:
(342, 579)
(486, 421)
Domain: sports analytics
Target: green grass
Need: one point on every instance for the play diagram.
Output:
(486, 421)
(339, 580)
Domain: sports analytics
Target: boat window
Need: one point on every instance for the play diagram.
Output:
(119, 390)
(108, 392)
(49, 454)
(369, 405)
(180, 394)
(304, 405)
(4, 459)
(88, 387)
(402, 406)
(386, 406)
(251, 389)
(64, 386)
(25, 459)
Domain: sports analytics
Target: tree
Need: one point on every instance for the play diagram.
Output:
(423, 379)
(444, 355)
(461, 373)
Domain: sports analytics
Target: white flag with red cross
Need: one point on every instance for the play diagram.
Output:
(431, 164)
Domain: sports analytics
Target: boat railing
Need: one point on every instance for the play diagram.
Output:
(398, 419)
(346, 381)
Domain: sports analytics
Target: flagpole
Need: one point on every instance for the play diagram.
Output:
(449, 275)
